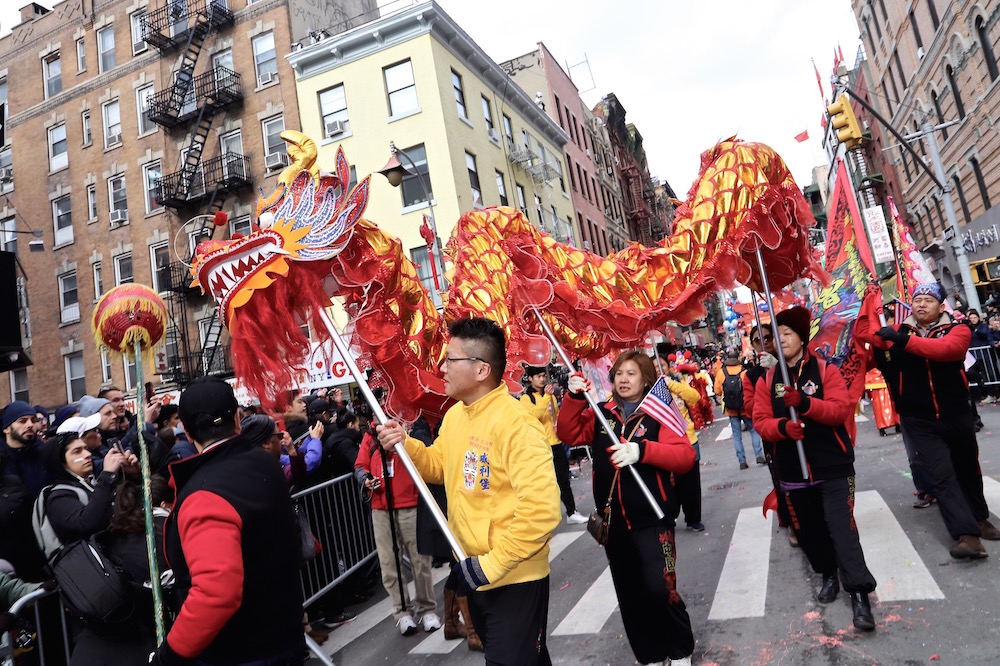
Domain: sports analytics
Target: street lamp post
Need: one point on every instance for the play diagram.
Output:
(394, 170)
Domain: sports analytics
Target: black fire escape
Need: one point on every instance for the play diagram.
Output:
(200, 186)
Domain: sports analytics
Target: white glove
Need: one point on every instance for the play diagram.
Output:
(624, 454)
(767, 360)
(577, 383)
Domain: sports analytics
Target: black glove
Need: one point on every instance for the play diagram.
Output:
(473, 573)
(165, 656)
(889, 334)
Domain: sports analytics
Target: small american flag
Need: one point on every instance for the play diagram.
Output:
(900, 312)
(659, 404)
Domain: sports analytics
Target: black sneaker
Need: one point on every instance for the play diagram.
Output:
(334, 621)
(923, 501)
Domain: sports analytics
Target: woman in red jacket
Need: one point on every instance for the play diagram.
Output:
(822, 505)
(640, 546)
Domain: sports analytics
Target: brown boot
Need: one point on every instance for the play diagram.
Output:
(473, 638)
(453, 625)
(988, 531)
(968, 546)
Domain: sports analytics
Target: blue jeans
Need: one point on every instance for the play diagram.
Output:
(735, 423)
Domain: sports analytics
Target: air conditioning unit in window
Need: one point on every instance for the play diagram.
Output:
(138, 47)
(275, 161)
(266, 78)
(6, 174)
(611, 170)
(588, 152)
(494, 135)
(335, 128)
(114, 138)
(118, 217)
(920, 53)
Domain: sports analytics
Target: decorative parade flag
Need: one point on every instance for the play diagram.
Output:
(912, 268)
(804, 136)
(659, 404)
(900, 312)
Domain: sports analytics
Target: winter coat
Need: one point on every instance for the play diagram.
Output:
(980, 333)
(72, 520)
(430, 539)
(340, 451)
(720, 378)
(369, 460)
(17, 540)
(543, 407)
(28, 464)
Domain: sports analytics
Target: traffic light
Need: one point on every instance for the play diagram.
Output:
(844, 123)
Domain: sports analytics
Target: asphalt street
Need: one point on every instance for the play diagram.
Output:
(751, 595)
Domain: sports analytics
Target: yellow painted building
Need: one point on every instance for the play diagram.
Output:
(417, 79)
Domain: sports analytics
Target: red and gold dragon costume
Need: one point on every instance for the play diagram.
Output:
(310, 243)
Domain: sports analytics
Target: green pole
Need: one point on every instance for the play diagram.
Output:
(147, 503)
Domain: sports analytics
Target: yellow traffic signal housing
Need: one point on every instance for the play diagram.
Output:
(844, 122)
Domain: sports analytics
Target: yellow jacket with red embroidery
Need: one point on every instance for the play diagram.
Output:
(503, 499)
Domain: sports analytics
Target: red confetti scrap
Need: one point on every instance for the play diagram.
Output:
(565, 585)
(935, 657)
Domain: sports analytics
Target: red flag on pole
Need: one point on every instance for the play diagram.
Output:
(819, 82)
(804, 136)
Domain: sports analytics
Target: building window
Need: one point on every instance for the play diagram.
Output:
(130, 374)
(91, 202)
(106, 49)
(52, 72)
(98, 280)
(984, 41)
(961, 198)
(892, 80)
(456, 84)
(112, 123)
(197, 236)
(159, 261)
(410, 186)
(69, 304)
(105, 365)
(878, 30)
(333, 108)
(400, 88)
(982, 183)
(233, 163)
(522, 203)
(937, 108)
(265, 59)
(88, 133)
(944, 220)
(151, 175)
(953, 82)
(138, 44)
(170, 346)
(117, 199)
(212, 353)
(19, 384)
(62, 219)
(58, 158)
(8, 235)
(76, 377)
(477, 193)
(488, 116)
(123, 268)
(899, 70)
(422, 260)
(934, 15)
(502, 189)
(81, 55)
(508, 130)
(273, 143)
(241, 226)
(559, 113)
(143, 96)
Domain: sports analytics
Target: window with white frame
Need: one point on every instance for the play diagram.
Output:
(422, 260)
(105, 365)
(123, 269)
(117, 199)
(76, 376)
(8, 235)
(6, 159)
(112, 123)
(151, 175)
(456, 84)
(81, 55)
(502, 188)
(508, 129)
(400, 88)
(413, 193)
(159, 261)
(477, 192)
(52, 73)
(19, 385)
(91, 202)
(273, 143)
(212, 352)
(5, 155)
(521, 201)
(62, 220)
(197, 236)
(69, 303)
(265, 59)
(128, 361)
(233, 162)
(88, 131)
(98, 280)
(171, 347)
(333, 108)
(106, 49)
(488, 115)
(58, 157)
(138, 44)
(143, 97)
(240, 225)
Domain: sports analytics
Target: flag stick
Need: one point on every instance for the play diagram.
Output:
(781, 355)
(597, 411)
(404, 457)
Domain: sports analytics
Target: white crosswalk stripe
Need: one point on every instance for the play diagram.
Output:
(593, 610)
(742, 587)
(991, 490)
(724, 434)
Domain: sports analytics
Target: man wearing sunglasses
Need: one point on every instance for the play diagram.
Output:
(503, 500)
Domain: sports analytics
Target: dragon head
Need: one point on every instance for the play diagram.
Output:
(308, 216)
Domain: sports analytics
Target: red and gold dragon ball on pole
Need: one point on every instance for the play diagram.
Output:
(310, 243)
(129, 316)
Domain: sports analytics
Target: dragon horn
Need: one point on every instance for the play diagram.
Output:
(303, 153)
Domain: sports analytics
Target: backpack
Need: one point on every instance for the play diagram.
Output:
(732, 391)
(92, 584)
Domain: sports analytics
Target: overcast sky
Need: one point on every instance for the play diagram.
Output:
(687, 73)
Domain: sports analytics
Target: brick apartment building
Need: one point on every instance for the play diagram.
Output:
(127, 119)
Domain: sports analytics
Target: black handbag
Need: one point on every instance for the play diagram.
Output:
(600, 522)
(308, 543)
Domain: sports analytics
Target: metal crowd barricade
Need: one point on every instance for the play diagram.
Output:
(988, 364)
(9, 640)
(342, 523)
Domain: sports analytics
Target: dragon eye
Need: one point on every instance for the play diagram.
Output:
(266, 220)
